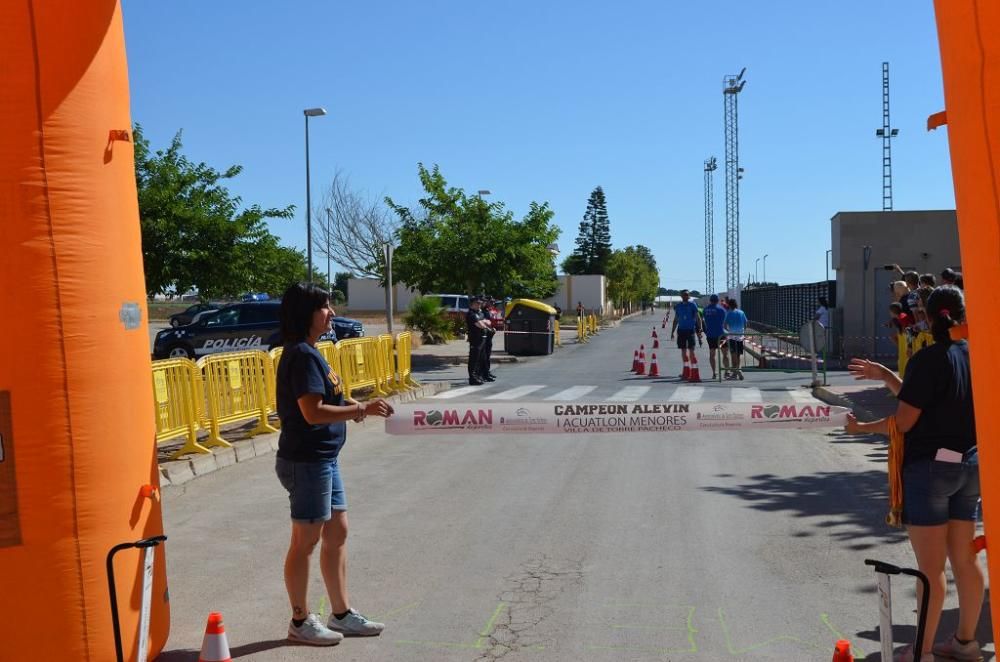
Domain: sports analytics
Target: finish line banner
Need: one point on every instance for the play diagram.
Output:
(607, 417)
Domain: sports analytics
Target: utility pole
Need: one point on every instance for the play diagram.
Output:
(886, 133)
(731, 87)
(710, 166)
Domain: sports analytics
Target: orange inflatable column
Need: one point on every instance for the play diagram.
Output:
(76, 404)
(969, 34)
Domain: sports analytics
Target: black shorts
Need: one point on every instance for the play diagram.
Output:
(685, 340)
(735, 347)
(715, 343)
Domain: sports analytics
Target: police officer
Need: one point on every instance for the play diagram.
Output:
(484, 366)
(476, 330)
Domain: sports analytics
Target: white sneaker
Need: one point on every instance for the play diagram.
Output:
(314, 633)
(354, 624)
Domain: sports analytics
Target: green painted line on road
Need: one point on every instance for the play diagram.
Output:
(485, 632)
(763, 644)
(322, 608)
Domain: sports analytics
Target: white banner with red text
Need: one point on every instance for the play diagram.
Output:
(607, 417)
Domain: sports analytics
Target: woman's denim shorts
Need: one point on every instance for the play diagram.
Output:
(935, 492)
(314, 488)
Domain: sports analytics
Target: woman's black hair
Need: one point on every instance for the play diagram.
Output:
(298, 304)
(823, 302)
(946, 308)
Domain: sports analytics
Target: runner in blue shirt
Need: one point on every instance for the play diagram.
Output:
(687, 322)
(736, 325)
(715, 320)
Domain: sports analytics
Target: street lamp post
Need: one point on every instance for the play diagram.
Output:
(828, 252)
(387, 254)
(309, 112)
(755, 263)
(329, 217)
(765, 268)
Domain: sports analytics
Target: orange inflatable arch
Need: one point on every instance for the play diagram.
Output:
(76, 403)
(77, 455)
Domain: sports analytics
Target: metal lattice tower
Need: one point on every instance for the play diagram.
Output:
(710, 166)
(886, 133)
(731, 87)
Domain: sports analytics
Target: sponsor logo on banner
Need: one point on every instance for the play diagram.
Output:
(789, 413)
(720, 414)
(453, 419)
(522, 421)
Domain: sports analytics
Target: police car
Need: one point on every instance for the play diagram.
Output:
(237, 327)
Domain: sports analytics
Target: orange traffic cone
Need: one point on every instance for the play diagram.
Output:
(215, 648)
(687, 368)
(654, 332)
(978, 544)
(695, 375)
(642, 363)
(635, 361)
(664, 324)
(842, 651)
(656, 343)
(654, 371)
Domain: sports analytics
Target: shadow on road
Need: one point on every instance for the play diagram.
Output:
(851, 505)
(235, 652)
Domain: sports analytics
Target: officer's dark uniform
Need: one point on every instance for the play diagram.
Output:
(484, 366)
(475, 337)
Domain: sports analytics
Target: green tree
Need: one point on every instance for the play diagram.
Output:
(452, 242)
(632, 276)
(195, 233)
(593, 242)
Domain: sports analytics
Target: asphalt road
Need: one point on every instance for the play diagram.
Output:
(700, 546)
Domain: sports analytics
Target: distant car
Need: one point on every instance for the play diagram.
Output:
(240, 326)
(190, 313)
(255, 296)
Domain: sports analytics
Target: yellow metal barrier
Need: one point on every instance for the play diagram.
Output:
(581, 329)
(387, 377)
(330, 352)
(555, 330)
(272, 376)
(359, 365)
(235, 388)
(176, 394)
(404, 358)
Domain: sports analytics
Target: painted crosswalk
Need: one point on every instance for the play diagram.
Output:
(572, 393)
(709, 392)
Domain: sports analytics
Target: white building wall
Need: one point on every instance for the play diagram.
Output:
(368, 294)
(590, 290)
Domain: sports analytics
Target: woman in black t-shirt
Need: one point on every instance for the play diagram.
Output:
(940, 469)
(314, 415)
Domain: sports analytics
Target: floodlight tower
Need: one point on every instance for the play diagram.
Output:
(886, 133)
(731, 87)
(710, 166)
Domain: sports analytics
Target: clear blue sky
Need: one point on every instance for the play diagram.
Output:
(546, 99)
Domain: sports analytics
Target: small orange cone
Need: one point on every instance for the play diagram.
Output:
(978, 544)
(687, 368)
(635, 361)
(215, 647)
(656, 343)
(642, 363)
(842, 651)
(654, 332)
(654, 371)
(695, 375)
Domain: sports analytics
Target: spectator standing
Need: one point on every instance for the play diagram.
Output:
(940, 471)
(823, 313)
(314, 415)
(736, 326)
